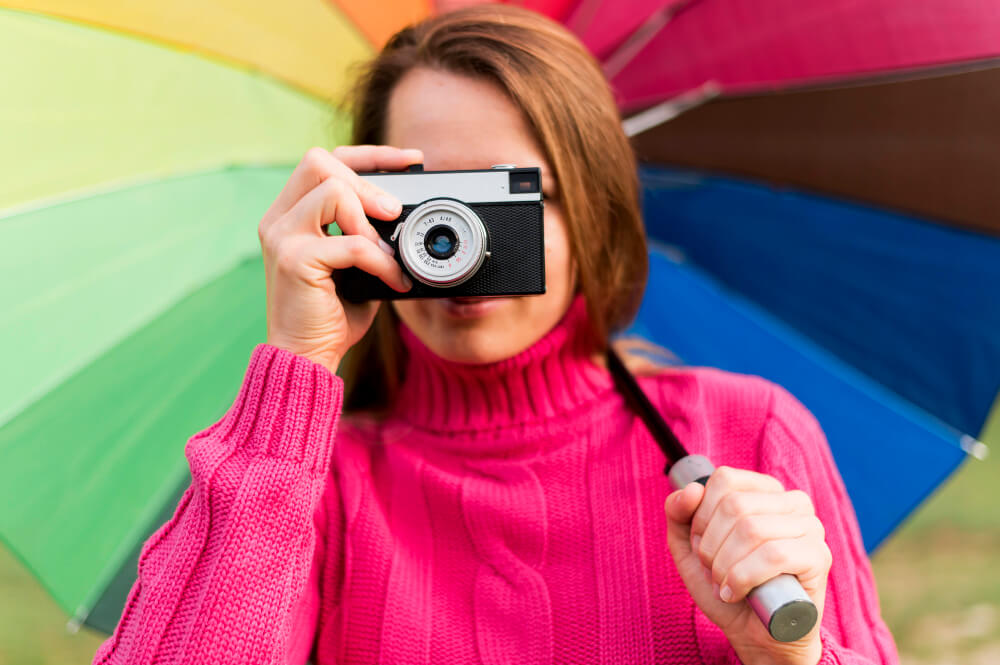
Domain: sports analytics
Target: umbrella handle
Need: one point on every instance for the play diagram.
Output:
(781, 602)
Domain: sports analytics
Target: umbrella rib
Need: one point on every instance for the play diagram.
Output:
(819, 355)
(635, 42)
(770, 88)
(120, 184)
(974, 447)
(13, 410)
(10, 411)
(670, 109)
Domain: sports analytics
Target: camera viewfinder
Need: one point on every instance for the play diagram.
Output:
(524, 182)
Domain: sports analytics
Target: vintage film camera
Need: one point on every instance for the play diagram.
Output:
(461, 233)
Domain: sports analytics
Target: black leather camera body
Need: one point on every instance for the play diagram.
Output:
(461, 233)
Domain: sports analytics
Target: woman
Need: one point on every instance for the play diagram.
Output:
(474, 489)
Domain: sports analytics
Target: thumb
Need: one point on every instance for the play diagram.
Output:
(680, 508)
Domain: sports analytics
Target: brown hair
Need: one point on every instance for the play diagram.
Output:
(560, 88)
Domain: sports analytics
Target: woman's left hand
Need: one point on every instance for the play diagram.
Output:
(736, 533)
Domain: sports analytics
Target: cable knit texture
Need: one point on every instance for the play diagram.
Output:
(502, 513)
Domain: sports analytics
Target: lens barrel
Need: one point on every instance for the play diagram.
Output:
(443, 242)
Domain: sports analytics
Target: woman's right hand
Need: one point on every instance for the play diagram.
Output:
(304, 314)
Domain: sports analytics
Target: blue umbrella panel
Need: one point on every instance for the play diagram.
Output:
(881, 324)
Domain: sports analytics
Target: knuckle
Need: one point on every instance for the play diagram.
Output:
(774, 555)
(733, 505)
(287, 261)
(751, 528)
(315, 158)
(367, 190)
(355, 246)
(738, 577)
(775, 483)
(268, 237)
(827, 558)
(723, 477)
(723, 473)
(333, 186)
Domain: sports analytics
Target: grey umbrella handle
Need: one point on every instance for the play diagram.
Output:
(781, 603)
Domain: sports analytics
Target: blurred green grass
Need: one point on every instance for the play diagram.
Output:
(938, 579)
(32, 627)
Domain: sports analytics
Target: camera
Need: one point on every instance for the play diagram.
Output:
(460, 233)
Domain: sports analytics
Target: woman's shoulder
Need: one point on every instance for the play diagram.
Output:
(726, 408)
(711, 388)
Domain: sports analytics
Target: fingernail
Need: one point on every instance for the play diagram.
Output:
(726, 594)
(386, 247)
(695, 541)
(407, 282)
(389, 204)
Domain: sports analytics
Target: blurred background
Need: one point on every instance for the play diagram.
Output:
(819, 188)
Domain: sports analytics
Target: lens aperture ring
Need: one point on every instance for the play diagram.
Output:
(443, 242)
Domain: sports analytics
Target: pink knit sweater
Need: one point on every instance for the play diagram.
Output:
(503, 513)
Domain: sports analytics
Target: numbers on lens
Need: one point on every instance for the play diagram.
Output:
(445, 241)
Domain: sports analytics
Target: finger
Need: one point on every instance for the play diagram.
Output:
(804, 557)
(377, 157)
(333, 200)
(377, 202)
(337, 252)
(679, 507)
(753, 531)
(735, 506)
(317, 166)
(314, 167)
(725, 480)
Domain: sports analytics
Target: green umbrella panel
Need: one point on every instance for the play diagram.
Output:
(131, 285)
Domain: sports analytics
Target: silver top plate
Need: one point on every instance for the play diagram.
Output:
(467, 186)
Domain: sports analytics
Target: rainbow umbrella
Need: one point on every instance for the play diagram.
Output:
(143, 141)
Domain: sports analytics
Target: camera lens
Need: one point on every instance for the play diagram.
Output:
(441, 242)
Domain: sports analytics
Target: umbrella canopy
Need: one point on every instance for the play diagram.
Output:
(151, 138)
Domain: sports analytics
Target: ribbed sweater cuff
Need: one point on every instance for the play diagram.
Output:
(287, 408)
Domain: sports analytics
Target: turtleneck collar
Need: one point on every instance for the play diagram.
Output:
(553, 377)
